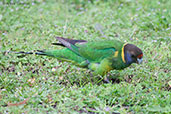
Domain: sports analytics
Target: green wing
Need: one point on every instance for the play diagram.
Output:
(97, 51)
(96, 55)
(93, 51)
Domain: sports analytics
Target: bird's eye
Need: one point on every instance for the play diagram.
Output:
(133, 56)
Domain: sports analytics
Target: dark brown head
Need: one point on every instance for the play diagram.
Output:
(132, 54)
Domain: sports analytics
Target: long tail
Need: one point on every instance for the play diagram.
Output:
(38, 52)
(64, 42)
(63, 54)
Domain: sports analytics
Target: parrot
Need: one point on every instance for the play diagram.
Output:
(98, 56)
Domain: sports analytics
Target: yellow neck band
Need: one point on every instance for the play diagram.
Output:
(122, 53)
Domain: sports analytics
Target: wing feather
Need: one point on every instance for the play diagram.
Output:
(92, 51)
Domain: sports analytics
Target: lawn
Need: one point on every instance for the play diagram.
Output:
(39, 84)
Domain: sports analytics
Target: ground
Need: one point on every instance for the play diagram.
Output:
(38, 84)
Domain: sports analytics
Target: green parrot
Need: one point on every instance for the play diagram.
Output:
(98, 56)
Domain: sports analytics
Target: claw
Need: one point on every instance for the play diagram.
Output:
(106, 80)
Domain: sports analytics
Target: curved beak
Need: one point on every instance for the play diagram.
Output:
(139, 61)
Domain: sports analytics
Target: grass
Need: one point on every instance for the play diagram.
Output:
(37, 84)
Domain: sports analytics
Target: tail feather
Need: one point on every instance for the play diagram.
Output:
(59, 44)
(71, 41)
(22, 52)
(68, 45)
(38, 52)
(63, 55)
(70, 53)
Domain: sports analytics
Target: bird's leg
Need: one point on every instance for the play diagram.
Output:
(106, 80)
(101, 68)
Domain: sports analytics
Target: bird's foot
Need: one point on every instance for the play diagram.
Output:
(106, 80)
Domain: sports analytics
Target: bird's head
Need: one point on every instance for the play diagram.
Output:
(132, 54)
